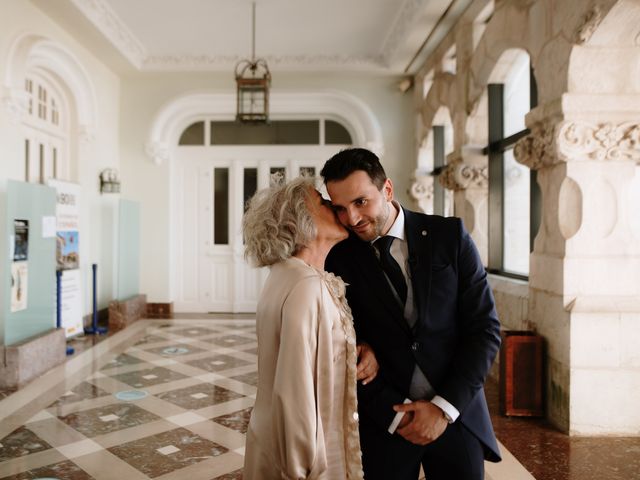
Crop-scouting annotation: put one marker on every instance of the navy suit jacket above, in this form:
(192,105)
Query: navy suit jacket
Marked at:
(455,338)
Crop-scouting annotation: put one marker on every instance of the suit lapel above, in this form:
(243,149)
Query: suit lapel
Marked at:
(377,283)
(419,247)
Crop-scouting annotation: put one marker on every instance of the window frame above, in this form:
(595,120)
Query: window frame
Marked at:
(498,144)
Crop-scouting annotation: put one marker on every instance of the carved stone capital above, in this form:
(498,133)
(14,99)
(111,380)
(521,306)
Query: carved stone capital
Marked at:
(422,188)
(461,176)
(549,144)
(15,102)
(604,141)
(158,152)
(589,25)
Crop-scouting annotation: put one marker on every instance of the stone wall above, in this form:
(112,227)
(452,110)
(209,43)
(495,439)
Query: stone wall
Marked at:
(584,271)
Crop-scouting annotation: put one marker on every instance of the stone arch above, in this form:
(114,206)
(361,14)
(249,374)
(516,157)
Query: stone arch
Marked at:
(547,31)
(178,113)
(441,94)
(31,51)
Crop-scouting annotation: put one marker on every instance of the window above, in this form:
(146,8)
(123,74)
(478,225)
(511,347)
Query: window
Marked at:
(45,130)
(277,132)
(514,196)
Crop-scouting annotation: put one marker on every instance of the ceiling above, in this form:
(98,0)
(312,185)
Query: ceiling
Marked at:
(385,36)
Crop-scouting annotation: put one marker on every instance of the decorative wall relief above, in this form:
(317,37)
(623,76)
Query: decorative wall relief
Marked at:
(578,140)
(607,141)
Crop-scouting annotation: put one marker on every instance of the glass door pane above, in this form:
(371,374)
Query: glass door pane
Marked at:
(221,206)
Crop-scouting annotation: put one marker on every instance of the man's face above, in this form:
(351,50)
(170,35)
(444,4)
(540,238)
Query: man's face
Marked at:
(360,206)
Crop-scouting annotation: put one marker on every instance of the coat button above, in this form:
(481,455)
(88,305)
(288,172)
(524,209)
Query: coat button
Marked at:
(415,346)
(355,416)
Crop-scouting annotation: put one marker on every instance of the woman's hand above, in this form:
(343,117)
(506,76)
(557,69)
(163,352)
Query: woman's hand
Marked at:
(367,364)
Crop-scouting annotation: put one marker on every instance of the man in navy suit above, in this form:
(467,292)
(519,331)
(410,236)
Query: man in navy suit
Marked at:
(420,298)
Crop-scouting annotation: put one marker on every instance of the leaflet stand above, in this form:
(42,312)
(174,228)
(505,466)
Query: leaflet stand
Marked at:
(95,329)
(70,349)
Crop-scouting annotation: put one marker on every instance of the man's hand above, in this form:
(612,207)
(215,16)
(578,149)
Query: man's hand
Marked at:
(367,364)
(427,424)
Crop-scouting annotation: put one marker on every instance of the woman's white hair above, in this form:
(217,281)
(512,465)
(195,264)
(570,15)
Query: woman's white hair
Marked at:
(277,223)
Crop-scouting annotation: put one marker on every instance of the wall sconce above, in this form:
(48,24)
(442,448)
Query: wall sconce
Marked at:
(109,181)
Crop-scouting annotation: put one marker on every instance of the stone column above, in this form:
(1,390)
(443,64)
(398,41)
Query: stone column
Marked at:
(584,281)
(467,175)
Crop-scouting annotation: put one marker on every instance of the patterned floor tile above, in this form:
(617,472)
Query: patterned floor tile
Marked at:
(167,452)
(63,470)
(150,339)
(82,391)
(230,340)
(149,377)
(21,442)
(250,378)
(121,361)
(107,419)
(195,332)
(199,396)
(178,349)
(218,363)
(237,475)
(238,421)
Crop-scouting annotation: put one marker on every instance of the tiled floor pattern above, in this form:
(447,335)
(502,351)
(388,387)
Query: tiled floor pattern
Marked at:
(199,377)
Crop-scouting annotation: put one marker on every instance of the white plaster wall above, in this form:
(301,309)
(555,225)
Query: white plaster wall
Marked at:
(19,17)
(143,95)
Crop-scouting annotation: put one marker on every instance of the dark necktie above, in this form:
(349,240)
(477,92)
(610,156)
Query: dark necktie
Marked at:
(391,267)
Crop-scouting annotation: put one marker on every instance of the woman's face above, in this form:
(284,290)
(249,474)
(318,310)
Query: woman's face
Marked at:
(324,218)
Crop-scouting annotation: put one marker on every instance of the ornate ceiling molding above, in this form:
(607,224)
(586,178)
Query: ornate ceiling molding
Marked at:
(100,13)
(223,62)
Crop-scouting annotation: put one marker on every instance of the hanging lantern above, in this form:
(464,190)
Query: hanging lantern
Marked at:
(253,80)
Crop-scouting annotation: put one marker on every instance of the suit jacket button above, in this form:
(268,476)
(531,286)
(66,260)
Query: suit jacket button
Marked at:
(415,346)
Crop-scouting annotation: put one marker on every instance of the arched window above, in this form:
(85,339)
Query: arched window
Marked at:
(46,130)
(277,132)
(514,198)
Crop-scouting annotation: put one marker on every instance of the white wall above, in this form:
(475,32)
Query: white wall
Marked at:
(96,246)
(143,95)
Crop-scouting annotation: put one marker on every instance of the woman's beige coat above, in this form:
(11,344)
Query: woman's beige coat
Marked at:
(293,414)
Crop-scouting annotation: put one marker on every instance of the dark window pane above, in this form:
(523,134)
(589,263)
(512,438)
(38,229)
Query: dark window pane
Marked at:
(193,135)
(250,184)
(277,176)
(336,134)
(304,132)
(309,172)
(221,206)
(26,160)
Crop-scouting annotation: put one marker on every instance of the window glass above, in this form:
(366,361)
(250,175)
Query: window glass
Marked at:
(277,176)
(516,239)
(193,134)
(336,134)
(221,206)
(281,132)
(250,184)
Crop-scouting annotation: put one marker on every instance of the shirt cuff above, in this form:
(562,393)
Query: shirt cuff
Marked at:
(396,420)
(450,412)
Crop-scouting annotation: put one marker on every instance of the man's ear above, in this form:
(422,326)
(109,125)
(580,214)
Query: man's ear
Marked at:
(387,190)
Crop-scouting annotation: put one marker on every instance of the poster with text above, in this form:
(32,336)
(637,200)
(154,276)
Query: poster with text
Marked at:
(20,240)
(19,284)
(71,302)
(68,255)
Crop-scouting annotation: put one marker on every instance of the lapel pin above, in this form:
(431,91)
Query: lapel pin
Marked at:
(424,233)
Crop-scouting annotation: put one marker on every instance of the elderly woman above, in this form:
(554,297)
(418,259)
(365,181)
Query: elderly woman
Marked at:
(304,422)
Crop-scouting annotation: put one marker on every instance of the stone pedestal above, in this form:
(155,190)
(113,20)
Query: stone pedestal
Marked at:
(123,313)
(584,292)
(31,358)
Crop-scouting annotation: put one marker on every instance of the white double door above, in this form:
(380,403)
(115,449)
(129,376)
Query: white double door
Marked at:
(211,186)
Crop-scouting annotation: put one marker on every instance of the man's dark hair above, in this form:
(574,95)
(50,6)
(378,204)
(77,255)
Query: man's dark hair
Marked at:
(345,162)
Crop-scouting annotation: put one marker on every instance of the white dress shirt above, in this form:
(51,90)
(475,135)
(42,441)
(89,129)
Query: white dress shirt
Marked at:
(420,388)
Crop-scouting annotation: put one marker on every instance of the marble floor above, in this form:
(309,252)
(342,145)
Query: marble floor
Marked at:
(171,399)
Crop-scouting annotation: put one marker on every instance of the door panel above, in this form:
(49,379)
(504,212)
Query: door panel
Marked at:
(212,186)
